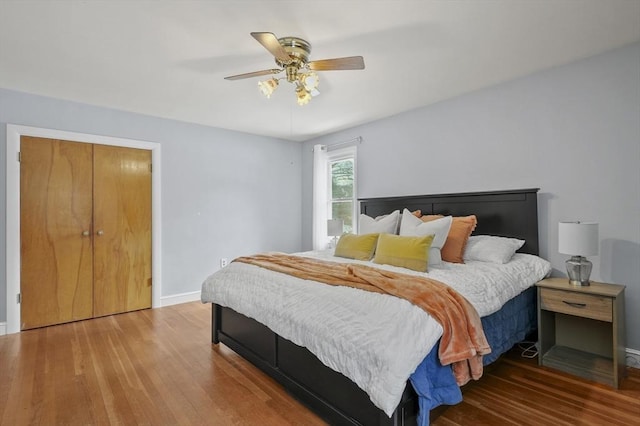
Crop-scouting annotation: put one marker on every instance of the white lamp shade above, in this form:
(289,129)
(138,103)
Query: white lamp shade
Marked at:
(335,227)
(578,238)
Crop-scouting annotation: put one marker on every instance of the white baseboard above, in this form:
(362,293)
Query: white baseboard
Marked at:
(633,358)
(180,298)
(3,328)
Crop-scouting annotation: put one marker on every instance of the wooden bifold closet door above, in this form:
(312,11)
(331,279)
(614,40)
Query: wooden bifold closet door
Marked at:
(85,230)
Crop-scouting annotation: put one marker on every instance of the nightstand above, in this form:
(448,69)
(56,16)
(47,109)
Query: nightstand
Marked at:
(581,329)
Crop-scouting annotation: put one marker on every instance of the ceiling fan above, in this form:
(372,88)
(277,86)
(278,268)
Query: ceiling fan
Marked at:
(292,56)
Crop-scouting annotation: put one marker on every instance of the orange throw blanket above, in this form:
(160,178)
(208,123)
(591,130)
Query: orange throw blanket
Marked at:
(463,341)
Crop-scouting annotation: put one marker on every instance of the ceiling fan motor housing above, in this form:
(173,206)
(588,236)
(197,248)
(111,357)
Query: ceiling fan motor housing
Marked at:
(298,50)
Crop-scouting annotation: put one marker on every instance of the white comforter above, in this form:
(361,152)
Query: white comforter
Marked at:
(359,333)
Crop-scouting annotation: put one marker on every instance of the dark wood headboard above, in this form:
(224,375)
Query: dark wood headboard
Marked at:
(510,213)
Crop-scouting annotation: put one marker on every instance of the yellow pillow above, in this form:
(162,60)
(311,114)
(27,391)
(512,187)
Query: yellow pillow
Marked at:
(359,247)
(406,252)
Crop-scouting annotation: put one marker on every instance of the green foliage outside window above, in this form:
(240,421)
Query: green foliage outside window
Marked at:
(342,192)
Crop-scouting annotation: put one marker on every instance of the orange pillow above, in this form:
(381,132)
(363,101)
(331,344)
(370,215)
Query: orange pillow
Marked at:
(461,229)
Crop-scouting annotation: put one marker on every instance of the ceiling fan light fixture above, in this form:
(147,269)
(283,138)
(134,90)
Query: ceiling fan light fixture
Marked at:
(309,80)
(303,95)
(267,87)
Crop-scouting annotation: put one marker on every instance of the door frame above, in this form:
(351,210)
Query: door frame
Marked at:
(14,132)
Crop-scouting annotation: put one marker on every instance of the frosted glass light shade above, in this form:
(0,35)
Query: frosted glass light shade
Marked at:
(335,227)
(267,87)
(303,95)
(578,238)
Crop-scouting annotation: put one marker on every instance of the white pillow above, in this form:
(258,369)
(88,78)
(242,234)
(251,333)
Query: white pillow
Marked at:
(387,224)
(489,248)
(414,227)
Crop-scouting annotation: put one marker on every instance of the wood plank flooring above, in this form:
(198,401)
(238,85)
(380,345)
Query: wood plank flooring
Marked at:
(516,391)
(158,367)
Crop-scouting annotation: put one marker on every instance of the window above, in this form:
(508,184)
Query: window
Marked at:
(341,191)
(334,191)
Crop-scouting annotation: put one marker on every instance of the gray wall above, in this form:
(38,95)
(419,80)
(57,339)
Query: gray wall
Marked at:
(572,131)
(224,193)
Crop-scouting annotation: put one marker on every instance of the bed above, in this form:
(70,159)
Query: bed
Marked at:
(336,398)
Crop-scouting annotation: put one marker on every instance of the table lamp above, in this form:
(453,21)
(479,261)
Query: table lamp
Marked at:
(578,239)
(334,229)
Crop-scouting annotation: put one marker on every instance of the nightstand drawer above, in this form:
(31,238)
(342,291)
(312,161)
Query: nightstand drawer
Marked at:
(572,303)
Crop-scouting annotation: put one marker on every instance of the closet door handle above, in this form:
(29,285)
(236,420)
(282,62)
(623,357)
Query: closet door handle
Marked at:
(85,233)
(100,232)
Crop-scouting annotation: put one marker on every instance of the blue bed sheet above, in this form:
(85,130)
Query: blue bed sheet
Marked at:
(435,383)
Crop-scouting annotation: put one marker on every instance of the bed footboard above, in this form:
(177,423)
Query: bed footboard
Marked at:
(215,323)
(329,394)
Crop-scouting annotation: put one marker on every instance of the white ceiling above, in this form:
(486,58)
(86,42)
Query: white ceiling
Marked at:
(168,58)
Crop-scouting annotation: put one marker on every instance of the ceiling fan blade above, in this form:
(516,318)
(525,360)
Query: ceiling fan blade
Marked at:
(253,74)
(348,63)
(271,43)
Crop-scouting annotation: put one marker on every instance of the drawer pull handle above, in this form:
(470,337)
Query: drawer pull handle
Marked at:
(575,304)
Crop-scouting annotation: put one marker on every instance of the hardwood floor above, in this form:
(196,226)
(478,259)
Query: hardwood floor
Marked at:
(157,367)
(153,367)
(516,391)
